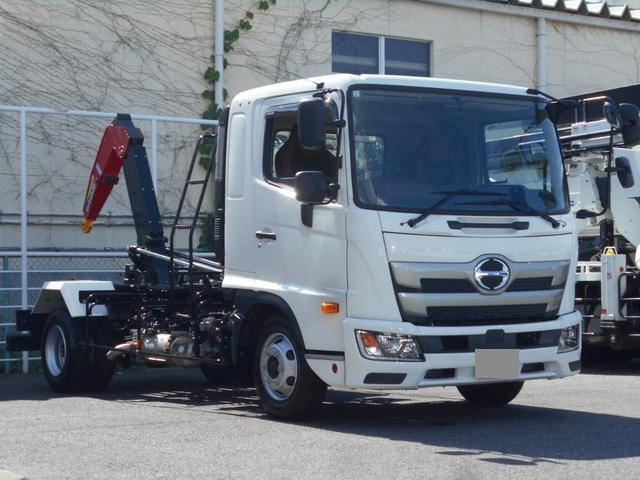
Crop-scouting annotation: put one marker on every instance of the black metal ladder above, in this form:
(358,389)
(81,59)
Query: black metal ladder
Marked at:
(191,227)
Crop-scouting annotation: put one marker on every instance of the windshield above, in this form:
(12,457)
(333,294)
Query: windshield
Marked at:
(412,147)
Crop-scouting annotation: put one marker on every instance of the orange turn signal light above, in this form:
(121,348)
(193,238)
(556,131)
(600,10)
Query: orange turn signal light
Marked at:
(330,307)
(369,340)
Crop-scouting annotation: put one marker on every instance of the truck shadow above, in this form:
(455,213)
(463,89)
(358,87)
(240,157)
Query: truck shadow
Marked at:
(518,434)
(515,435)
(611,366)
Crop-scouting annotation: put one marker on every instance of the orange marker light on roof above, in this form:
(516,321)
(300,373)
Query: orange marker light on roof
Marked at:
(330,307)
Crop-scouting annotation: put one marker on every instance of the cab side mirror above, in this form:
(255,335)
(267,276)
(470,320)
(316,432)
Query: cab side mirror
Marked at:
(312,129)
(630,123)
(625,174)
(582,214)
(311,187)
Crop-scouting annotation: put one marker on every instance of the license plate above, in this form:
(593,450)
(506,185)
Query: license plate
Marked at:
(499,363)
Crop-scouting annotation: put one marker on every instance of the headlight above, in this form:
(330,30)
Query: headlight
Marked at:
(388,346)
(569,339)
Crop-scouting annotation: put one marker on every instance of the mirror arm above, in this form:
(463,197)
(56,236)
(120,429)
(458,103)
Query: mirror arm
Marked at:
(582,214)
(306,214)
(306,209)
(616,169)
(332,190)
(341,123)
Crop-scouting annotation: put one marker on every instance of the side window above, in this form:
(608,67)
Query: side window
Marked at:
(279,139)
(284,156)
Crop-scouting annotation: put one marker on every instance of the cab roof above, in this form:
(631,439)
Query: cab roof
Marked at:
(344,81)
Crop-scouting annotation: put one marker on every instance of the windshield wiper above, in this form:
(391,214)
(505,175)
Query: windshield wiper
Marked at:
(447,195)
(521,207)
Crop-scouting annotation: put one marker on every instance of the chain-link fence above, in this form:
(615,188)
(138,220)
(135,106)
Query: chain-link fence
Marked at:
(44,267)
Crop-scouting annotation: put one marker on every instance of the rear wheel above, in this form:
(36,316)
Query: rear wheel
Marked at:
(287,387)
(491,394)
(68,366)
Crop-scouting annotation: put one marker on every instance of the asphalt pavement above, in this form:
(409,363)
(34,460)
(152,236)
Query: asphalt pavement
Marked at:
(172,425)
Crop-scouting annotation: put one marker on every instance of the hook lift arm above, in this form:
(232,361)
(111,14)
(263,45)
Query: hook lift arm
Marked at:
(122,148)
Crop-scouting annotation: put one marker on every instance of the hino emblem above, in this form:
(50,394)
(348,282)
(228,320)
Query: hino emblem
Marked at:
(492,274)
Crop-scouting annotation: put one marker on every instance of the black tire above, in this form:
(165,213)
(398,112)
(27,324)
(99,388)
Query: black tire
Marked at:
(491,394)
(218,375)
(75,368)
(308,390)
(100,368)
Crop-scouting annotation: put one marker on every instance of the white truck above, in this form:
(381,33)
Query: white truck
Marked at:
(370,232)
(602,155)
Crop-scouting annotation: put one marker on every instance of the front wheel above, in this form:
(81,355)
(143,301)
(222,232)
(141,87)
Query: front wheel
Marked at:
(287,387)
(491,394)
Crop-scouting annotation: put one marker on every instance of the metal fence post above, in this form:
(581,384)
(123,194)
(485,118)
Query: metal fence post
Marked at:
(23,223)
(4,283)
(154,152)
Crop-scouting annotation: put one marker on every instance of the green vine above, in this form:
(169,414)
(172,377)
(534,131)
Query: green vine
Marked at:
(213,110)
(211,75)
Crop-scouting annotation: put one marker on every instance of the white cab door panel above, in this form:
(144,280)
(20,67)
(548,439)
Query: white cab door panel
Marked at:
(303,265)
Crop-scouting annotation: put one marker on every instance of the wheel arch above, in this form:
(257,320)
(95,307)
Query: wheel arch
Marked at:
(64,295)
(252,309)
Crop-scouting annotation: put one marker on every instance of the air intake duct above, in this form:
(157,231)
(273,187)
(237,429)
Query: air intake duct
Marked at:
(218,186)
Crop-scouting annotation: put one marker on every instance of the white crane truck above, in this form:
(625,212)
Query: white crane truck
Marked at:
(372,232)
(602,156)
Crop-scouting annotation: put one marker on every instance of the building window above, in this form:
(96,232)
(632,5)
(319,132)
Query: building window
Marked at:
(354,53)
(357,53)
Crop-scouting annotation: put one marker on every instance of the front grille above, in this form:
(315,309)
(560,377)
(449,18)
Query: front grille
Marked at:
(446,285)
(447,294)
(499,311)
(530,284)
(468,343)
(486,315)
(462,285)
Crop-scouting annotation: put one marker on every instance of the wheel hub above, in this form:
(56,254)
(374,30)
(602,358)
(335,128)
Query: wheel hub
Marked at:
(273,367)
(55,350)
(278,366)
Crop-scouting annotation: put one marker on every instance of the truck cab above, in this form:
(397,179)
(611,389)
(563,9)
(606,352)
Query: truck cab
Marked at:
(449,232)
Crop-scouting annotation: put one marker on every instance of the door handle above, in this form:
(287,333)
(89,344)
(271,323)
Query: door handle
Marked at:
(265,235)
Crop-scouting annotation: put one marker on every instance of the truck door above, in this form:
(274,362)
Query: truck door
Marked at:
(303,265)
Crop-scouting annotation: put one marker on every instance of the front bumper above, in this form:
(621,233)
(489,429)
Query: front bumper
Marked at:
(456,368)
